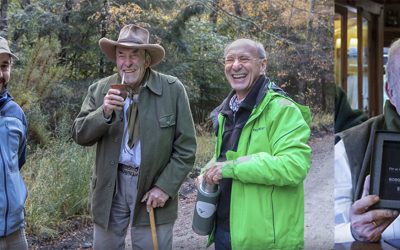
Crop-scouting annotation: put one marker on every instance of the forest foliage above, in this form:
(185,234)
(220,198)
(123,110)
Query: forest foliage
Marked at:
(57,44)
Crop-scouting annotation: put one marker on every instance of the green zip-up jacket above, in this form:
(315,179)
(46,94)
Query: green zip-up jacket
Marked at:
(268,170)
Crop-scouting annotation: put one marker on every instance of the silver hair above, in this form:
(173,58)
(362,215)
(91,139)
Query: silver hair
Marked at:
(393,65)
(262,54)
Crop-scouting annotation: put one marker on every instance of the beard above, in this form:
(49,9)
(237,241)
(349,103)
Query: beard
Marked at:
(3,84)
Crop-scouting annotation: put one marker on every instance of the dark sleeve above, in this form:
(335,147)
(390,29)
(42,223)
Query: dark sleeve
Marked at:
(345,116)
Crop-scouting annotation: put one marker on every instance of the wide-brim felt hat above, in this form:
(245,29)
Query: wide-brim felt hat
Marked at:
(132,36)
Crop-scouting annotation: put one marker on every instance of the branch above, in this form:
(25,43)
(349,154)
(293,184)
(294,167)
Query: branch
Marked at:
(253,23)
(304,10)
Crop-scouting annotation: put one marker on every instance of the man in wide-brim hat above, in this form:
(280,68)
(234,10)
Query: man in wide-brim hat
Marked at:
(145,143)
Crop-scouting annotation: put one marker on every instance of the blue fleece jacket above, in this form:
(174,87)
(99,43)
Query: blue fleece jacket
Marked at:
(13,131)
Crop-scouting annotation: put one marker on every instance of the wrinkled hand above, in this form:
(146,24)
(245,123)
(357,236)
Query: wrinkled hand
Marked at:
(198,180)
(112,101)
(368,225)
(156,197)
(213,173)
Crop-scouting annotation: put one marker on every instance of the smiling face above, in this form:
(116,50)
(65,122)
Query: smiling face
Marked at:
(5,68)
(132,63)
(243,66)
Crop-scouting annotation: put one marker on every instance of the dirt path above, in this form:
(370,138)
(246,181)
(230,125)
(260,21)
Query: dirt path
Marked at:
(318,210)
(319,203)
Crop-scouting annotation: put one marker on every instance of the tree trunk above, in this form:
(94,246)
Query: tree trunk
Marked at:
(214,14)
(310,20)
(103,31)
(24,3)
(308,41)
(4,19)
(290,18)
(238,8)
(64,35)
(301,86)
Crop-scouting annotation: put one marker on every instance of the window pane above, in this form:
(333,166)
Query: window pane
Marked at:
(365,69)
(337,55)
(352,59)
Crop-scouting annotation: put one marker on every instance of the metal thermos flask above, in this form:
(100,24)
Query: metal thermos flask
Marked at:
(205,209)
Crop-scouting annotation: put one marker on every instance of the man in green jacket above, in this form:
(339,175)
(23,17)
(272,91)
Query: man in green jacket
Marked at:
(261,158)
(145,143)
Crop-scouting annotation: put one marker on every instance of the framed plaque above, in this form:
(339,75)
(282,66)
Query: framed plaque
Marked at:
(385,170)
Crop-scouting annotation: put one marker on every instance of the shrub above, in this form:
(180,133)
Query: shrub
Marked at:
(322,121)
(58,180)
(205,151)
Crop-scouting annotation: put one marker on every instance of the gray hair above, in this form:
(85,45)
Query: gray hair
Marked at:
(393,65)
(262,54)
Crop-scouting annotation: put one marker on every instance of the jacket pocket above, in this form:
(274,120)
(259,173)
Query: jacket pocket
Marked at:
(17,194)
(167,121)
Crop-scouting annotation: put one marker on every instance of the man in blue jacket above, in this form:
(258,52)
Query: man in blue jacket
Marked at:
(13,131)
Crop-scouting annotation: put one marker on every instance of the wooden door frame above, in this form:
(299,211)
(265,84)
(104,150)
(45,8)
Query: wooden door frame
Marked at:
(373,12)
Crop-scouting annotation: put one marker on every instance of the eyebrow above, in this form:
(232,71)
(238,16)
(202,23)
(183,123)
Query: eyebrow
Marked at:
(134,50)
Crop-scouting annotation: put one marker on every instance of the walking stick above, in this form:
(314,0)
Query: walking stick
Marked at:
(153,229)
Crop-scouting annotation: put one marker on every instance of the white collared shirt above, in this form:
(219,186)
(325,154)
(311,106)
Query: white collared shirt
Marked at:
(129,156)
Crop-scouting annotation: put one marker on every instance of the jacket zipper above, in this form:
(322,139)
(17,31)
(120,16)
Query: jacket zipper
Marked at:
(273,213)
(6,192)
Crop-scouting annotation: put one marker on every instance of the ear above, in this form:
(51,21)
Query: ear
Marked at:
(389,91)
(263,66)
(147,60)
(147,63)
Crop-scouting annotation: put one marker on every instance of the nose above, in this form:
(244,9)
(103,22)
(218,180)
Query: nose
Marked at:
(128,64)
(236,64)
(127,61)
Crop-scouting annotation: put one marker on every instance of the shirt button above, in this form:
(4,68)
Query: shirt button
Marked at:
(112,162)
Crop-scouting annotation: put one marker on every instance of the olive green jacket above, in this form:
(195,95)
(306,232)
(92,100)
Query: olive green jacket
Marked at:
(168,144)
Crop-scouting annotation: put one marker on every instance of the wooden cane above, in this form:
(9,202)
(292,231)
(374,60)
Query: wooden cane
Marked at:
(153,229)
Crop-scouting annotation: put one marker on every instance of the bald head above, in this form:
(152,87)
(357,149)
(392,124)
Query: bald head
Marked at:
(258,47)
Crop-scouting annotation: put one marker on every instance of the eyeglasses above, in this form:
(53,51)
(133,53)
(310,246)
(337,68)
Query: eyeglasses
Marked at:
(241,59)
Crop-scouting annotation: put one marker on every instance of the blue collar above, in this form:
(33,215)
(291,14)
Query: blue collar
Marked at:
(4,97)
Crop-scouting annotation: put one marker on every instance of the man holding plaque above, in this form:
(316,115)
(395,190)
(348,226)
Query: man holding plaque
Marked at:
(145,143)
(355,217)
